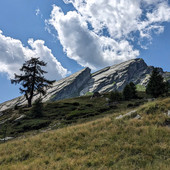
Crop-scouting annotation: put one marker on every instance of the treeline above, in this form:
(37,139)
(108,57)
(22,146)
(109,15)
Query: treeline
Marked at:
(156,87)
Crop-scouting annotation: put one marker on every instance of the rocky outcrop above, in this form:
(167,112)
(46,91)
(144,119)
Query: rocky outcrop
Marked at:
(68,87)
(117,76)
(110,78)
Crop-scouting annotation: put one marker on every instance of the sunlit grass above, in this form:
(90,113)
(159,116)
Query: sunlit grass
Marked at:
(105,143)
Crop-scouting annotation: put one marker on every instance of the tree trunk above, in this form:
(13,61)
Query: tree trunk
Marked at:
(29,102)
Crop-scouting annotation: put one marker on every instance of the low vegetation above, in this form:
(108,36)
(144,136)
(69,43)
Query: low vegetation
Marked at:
(59,114)
(105,143)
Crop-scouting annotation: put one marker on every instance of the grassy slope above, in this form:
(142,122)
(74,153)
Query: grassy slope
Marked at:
(105,143)
(61,113)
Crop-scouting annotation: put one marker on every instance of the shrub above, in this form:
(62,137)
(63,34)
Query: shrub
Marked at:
(76,104)
(37,109)
(115,96)
(130,105)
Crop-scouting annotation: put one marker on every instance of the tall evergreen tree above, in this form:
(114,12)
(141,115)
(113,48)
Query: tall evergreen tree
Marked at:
(32,79)
(156,85)
(127,92)
(115,96)
(133,90)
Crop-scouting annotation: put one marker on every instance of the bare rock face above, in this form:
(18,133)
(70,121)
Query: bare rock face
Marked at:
(108,79)
(117,76)
(68,87)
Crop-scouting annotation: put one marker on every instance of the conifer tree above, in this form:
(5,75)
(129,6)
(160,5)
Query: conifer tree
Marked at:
(115,96)
(156,85)
(127,92)
(133,90)
(32,80)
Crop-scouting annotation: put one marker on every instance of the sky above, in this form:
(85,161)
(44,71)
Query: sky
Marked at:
(72,34)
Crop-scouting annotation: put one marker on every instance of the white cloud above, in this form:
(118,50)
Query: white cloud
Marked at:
(100,32)
(13,54)
(86,47)
(37,12)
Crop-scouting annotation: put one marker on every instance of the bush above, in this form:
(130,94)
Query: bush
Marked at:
(30,124)
(130,105)
(37,109)
(76,104)
(115,96)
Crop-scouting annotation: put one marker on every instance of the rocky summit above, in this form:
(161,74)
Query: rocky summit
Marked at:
(110,78)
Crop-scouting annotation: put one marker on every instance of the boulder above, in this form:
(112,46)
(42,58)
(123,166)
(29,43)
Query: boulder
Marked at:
(20,118)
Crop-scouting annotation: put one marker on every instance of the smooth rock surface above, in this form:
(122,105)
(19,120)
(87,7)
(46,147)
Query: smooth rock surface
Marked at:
(6,139)
(125,115)
(20,118)
(137,117)
(117,76)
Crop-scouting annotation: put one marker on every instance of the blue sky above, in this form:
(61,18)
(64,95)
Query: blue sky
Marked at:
(70,35)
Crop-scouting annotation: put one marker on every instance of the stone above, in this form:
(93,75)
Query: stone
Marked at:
(4,121)
(20,118)
(168,114)
(119,117)
(137,117)
(125,115)
(107,99)
(6,139)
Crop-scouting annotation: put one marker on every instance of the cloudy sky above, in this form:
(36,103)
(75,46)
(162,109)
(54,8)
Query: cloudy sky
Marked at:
(72,34)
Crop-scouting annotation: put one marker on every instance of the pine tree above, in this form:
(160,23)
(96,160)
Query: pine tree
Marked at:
(127,92)
(115,96)
(32,79)
(156,85)
(133,90)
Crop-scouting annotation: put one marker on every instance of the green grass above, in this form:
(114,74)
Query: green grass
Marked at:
(140,88)
(104,143)
(89,94)
(62,113)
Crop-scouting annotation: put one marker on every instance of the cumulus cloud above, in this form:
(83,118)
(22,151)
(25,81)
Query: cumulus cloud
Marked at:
(13,54)
(101,32)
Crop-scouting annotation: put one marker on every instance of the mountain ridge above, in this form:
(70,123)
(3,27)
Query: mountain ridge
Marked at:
(104,80)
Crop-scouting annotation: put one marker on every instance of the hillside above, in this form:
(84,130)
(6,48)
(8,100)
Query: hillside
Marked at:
(139,140)
(20,121)
(105,80)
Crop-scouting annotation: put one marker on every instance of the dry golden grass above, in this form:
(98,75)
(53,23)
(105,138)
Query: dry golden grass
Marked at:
(102,144)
